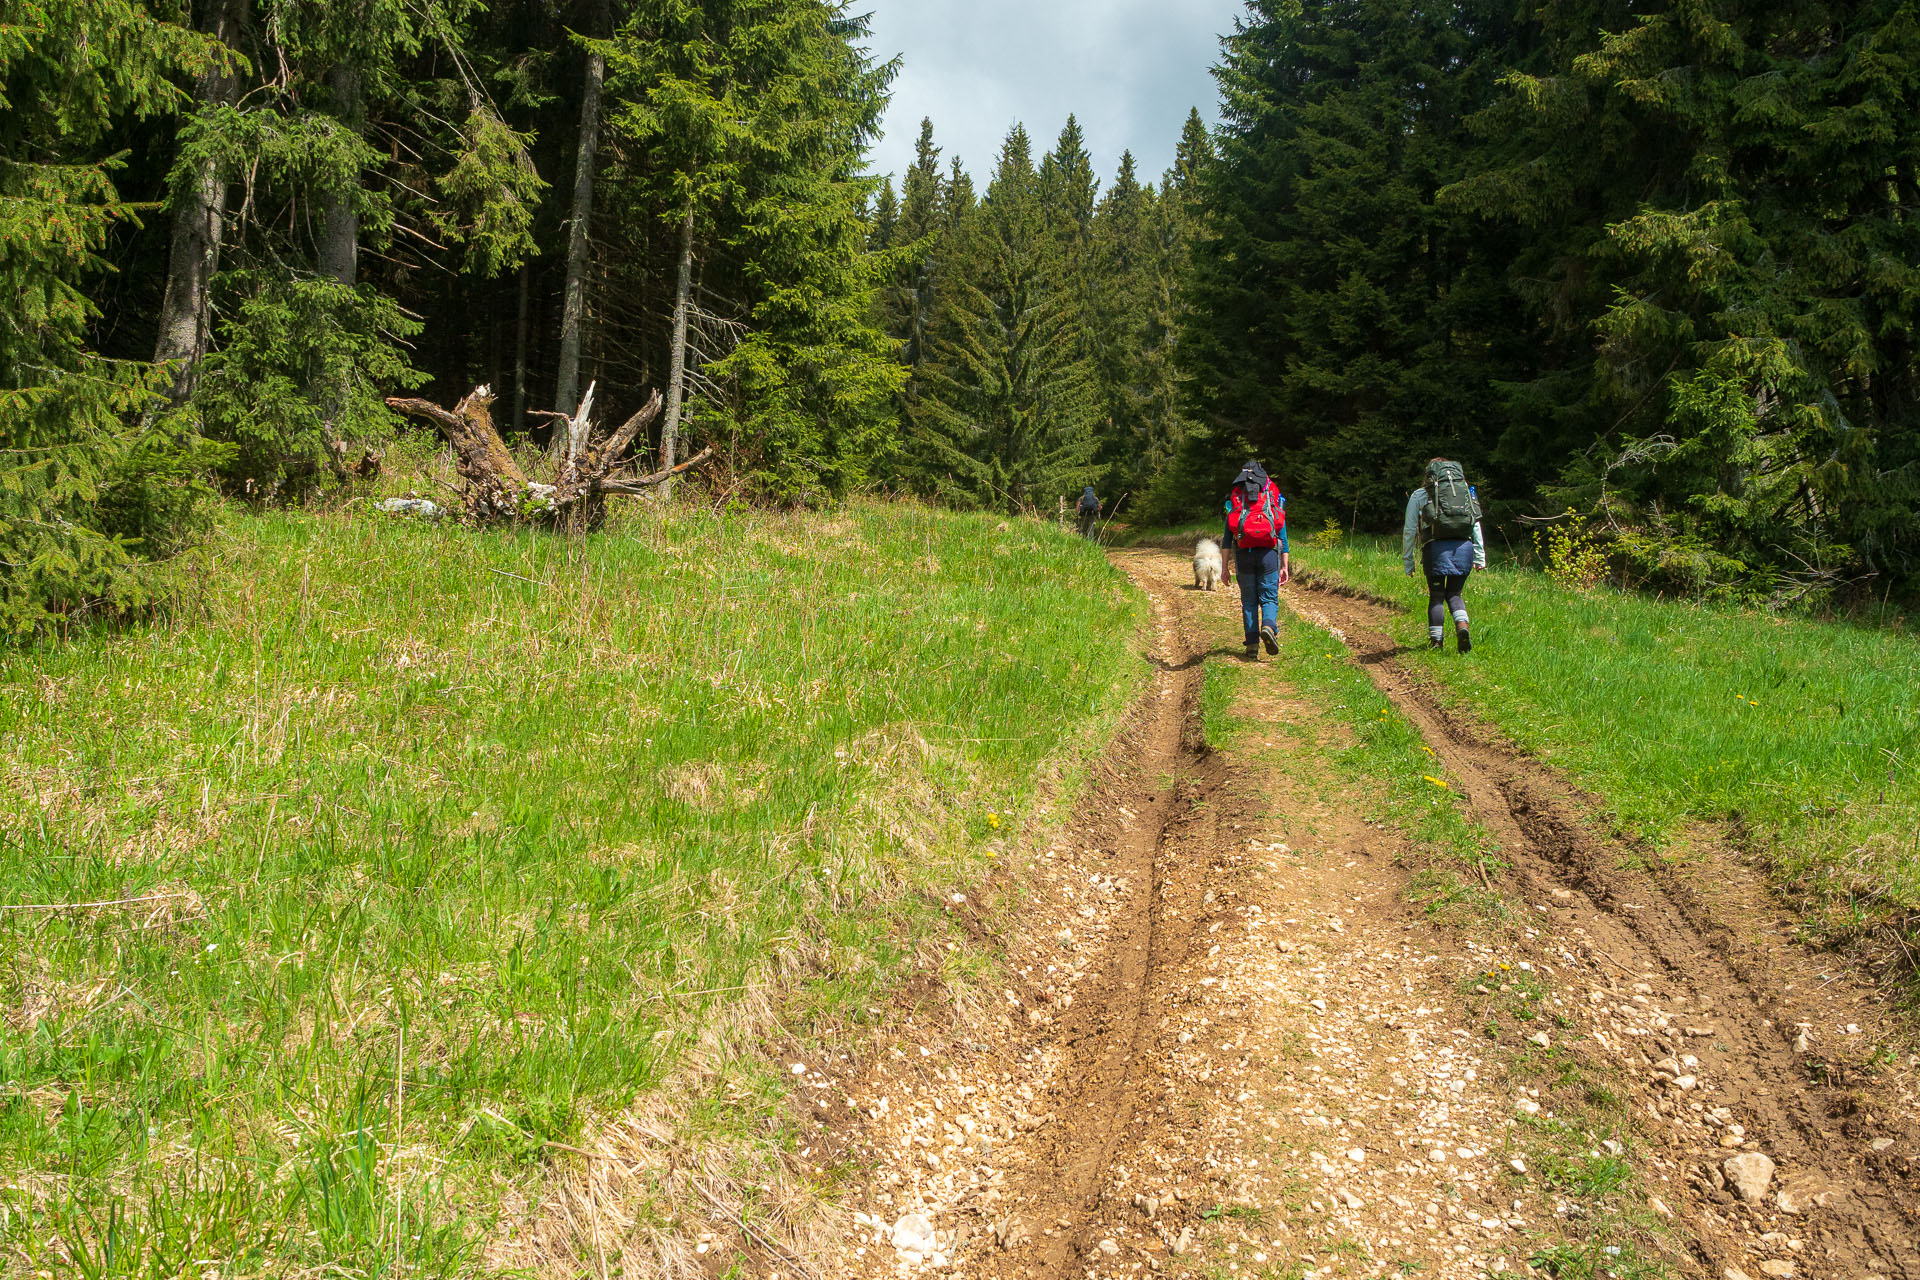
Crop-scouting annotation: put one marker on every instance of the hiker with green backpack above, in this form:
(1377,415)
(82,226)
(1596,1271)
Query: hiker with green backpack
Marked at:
(1443,521)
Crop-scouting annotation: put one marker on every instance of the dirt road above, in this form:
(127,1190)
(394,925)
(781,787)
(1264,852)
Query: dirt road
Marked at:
(1225,1041)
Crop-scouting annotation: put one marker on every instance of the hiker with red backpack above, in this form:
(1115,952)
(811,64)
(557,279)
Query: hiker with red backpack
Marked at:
(1443,521)
(1256,517)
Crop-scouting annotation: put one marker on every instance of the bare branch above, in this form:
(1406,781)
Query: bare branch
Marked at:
(644,483)
(608,452)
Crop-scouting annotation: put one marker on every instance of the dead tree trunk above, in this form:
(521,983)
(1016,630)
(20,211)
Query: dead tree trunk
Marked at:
(586,470)
(574,309)
(677,371)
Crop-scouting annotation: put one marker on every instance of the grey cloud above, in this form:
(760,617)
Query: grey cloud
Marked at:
(1128,69)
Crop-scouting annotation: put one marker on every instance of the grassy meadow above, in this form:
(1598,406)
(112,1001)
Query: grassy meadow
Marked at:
(424,849)
(1802,734)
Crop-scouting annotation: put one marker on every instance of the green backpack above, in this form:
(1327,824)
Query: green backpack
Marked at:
(1452,510)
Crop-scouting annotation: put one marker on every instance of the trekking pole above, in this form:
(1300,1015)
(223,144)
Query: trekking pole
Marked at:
(1101,537)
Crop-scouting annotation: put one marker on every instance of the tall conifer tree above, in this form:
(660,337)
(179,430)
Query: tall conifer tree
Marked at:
(1339,325)
(1737,271)
(92,477)
(743,125)
(1010,402)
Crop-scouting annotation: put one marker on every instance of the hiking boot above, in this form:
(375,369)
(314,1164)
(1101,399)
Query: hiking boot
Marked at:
(1269,639)
(1253,651)
(1466,641)
(1435,643)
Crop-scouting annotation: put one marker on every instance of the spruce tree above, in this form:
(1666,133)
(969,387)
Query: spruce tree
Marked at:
(1010,402)
(911,293)
(1747,262)
(310,336)
(1179,471)
(93,476)
(914,284)
(740,130)
(883,222)
(1121,284)
(1704,205)
(1339,324)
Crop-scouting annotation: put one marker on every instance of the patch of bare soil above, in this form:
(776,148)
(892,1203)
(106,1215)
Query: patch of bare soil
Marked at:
(1223,1042)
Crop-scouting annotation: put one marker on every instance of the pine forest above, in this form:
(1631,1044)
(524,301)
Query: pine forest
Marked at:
(1652,268)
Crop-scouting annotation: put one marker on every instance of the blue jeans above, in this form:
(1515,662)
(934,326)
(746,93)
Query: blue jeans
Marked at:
(1259,573)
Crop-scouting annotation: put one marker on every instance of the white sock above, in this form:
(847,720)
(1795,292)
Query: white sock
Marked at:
(1437,634)
(1460,619)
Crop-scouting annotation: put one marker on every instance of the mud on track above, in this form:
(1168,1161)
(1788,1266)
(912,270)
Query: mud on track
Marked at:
(1704,935)
(1221,1040)
(1166,847)
(1091,933)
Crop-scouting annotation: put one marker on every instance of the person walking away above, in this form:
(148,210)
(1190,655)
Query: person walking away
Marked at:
(1256,516)
(1088,511)
(1443,522)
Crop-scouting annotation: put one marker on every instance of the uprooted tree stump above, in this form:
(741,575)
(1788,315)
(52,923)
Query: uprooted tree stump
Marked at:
(498,492)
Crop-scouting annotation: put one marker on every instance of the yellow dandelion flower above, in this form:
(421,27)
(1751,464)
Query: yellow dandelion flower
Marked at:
(1435,781)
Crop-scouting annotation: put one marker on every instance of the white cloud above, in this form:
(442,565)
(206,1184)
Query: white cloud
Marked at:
(1128,69)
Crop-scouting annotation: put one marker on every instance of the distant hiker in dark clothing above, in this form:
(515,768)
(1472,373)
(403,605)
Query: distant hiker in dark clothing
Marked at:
(1256,518)
(1088,511)
(1443,522)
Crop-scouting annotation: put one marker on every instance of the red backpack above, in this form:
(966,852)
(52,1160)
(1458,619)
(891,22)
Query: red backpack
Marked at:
(1256,525)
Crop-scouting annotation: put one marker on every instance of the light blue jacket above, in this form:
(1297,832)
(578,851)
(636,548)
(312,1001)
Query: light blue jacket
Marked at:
(1410,536)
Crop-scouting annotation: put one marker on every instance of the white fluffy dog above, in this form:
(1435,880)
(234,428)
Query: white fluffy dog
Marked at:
(1206,565)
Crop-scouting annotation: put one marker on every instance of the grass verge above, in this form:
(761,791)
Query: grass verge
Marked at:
(1802,734)
(1408,790)
(424,850)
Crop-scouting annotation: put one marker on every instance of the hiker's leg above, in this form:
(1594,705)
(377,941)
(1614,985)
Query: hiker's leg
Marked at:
(1436,607)
(1249,575)
(1270,598)
(1456,585)
(1456,601)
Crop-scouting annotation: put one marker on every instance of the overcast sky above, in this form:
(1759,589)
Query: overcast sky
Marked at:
(1129,69)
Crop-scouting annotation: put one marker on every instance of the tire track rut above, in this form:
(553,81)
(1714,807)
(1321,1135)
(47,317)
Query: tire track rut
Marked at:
(1202,1040)
(1107,1036)
(1639,916)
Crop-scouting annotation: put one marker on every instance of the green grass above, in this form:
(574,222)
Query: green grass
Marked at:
(1406,787)
(454,844)
(1805,733)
